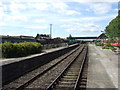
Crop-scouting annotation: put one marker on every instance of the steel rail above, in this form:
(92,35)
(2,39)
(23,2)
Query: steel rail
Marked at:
(37,76)
(76,87)
(52,85)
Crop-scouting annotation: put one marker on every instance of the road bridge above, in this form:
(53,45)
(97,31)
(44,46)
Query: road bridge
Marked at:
(83,37)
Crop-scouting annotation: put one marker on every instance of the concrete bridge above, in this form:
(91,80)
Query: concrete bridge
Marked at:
(84,37)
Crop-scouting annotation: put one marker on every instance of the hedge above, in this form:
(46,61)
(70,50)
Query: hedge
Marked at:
(108,46)
(10,50)
(98,44)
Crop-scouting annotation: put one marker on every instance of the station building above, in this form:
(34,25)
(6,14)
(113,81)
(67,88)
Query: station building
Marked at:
(17,39)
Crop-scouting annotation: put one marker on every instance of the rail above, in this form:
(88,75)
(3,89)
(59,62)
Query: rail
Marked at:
(37,76)
(80,72)
(53,84)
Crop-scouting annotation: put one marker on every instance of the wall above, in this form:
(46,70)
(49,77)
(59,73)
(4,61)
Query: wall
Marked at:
(14,70)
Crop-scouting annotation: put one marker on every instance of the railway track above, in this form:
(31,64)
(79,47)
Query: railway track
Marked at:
(71,77)
(43,79)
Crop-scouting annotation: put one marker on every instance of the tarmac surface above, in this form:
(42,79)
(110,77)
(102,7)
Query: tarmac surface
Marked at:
(102,68)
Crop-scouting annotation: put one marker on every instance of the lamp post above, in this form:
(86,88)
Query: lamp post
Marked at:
(50,30)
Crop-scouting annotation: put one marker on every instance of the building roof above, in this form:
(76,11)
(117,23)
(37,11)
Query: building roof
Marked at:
(17,37)
(101,36)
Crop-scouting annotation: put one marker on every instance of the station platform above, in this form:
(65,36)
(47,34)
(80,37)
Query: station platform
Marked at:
(102,68)
(12,60)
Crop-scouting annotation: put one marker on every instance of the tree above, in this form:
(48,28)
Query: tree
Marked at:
(59,38)
(113,29)
(37,36)
(70,37)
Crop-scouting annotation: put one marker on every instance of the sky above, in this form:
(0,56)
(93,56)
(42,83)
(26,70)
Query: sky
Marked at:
(75,17)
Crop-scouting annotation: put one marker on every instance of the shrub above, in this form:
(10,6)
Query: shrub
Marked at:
(7,49)
(20,49)
(108,46)
(99,44)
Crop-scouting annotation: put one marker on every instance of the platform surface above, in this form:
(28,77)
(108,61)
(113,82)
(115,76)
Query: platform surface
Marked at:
(12,60)
(102,68)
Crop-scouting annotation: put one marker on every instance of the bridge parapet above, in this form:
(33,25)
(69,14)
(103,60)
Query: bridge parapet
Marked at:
(84,37)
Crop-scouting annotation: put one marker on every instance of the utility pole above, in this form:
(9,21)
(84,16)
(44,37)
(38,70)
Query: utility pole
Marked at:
(50,30)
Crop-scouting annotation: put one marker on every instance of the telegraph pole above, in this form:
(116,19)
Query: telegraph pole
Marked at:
(50,30)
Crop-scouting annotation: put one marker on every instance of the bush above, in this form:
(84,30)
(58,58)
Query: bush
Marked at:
(99,44)
(20,49)
(108,46)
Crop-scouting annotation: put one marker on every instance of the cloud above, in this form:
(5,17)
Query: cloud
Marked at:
(79,27)
(72,12)
(19,11)
(100,8)
(15,19)
(2,9)
(39,20)
(19,18)
(89,19)
(36,27)
(2,24)
(12,11)
(60,5)
(32,14)
(116,9)
(16,8)
(53,7)
(63,9)
(40,6)
(84,1)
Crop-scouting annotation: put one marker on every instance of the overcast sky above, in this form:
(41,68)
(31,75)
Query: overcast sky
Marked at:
(78,18)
